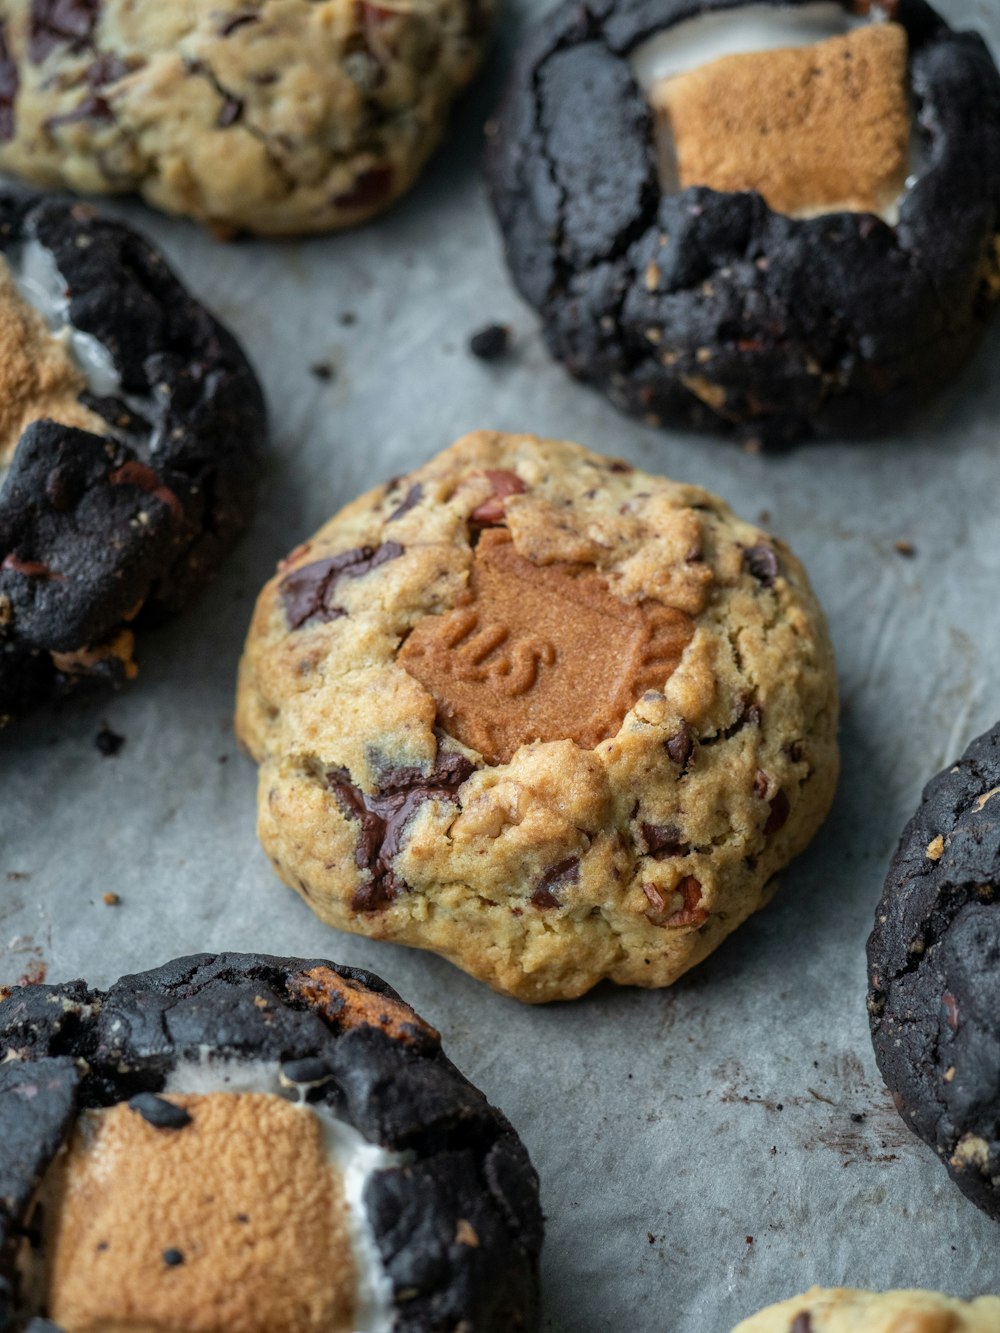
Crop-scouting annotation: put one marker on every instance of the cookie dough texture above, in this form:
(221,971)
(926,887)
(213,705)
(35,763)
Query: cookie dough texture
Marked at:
(934,972)
(130,432)
(844,1311)
(132,1205)
(270,116)
(707,308)
(553,718)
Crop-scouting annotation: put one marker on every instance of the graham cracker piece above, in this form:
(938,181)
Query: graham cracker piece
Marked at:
(540,652)
(238,1220)
(813,129)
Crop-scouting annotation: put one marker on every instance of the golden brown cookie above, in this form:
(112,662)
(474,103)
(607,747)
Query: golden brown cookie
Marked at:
(270,116)
(844,1311)
(553,718)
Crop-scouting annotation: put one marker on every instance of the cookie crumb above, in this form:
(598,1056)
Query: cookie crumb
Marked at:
(110,899)
(905,548)
(491,343)
(109,742)
(323,370)
(935,848)
(348,317)
(18,875)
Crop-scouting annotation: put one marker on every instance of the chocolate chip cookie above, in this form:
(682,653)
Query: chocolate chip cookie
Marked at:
(551,717)
(842,1311)
(238,1141)
(934,972)
(754,220)
(270,116)
(130,429)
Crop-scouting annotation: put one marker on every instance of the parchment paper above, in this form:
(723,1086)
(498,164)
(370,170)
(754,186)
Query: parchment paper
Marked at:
(703,1150)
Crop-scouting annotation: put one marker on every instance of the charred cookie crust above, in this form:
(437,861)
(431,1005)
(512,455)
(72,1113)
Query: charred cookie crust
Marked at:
(69,1048)
(708,309)
(103,533)
(270,116)
(934,972)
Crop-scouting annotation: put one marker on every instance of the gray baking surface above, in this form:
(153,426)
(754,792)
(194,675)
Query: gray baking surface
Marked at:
(703,1150)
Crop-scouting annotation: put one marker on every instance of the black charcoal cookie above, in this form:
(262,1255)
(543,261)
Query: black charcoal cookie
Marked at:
(750,242)
(934,972)
(130,430)
(272,1144)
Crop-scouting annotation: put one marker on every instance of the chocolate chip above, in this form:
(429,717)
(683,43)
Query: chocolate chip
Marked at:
(307,592)
(801,1324)
(54,22)
(384,815)
(370,188)
(681,747)
(106,69)
(308,1070)
(663,840)
(91,108)
(566,872)
(780,809)
(762,563)
(413,497)
(491,343)
(9,83)
(158,1112)
(236,21)
(230,112)
(173,1258)
(109,742)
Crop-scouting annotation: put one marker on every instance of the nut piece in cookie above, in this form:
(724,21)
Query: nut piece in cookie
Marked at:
(776,222)
(934,972)
(276,118)
(320,1169)
(130,428)
(551,717)
(840,1310)
(815,129)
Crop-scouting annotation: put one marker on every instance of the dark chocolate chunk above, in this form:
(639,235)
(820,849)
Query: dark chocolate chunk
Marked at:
(158,1112)
(680,748)
(230,113)
(55,22)
(778,816)
(664,840)
(308,591)
(762,563)
(413,497)
(370,188)
(491,343)
(801,1323)
(545,894)
(934,972)
(173,1258)
(384,815)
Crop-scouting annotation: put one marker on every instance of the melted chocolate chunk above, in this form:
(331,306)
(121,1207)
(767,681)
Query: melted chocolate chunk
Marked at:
(370,188)
(307,592)
(780,809)
(663,840)
(762,563)
(566,872)
(158,1112)
(91,108)
(680,748)
(173,1258)
(801,1324)
(9,83)
(306,1071)
(106,69)
(384,816)
(232,111)
(56,21)
(413,497)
